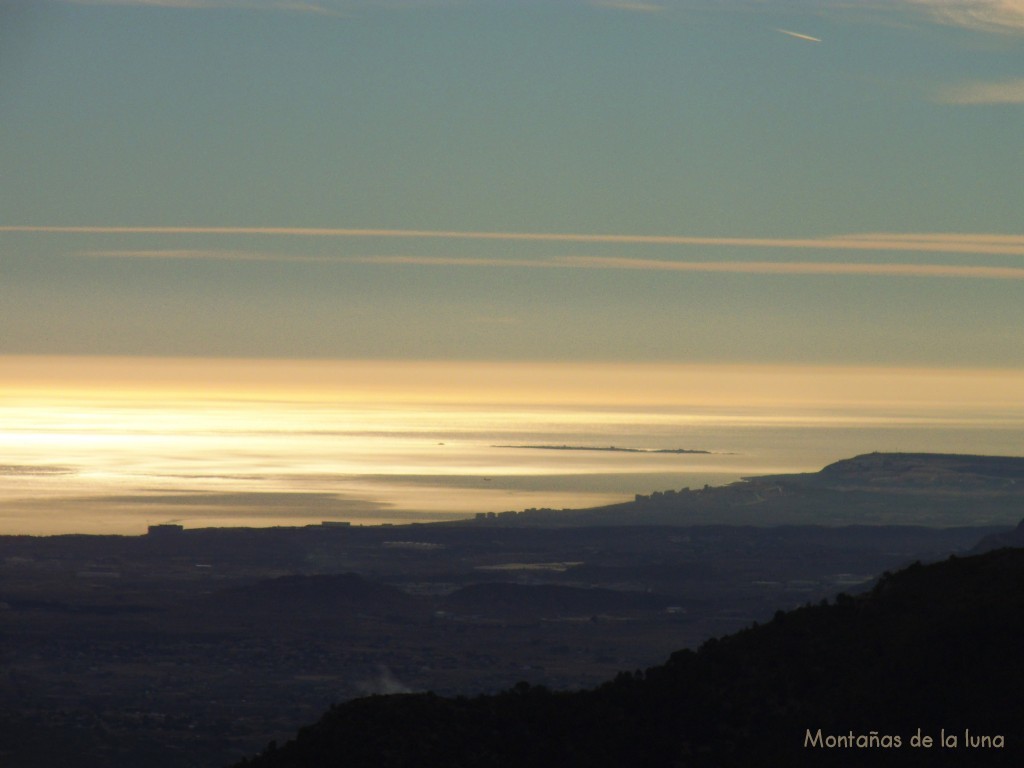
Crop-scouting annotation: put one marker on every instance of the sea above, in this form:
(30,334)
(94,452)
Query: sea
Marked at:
(103,461)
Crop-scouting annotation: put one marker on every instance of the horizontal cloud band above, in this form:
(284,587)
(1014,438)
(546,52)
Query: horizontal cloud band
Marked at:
(734,267)
(600,262)
(993,244)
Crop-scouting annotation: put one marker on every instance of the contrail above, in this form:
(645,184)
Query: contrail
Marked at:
(799,36)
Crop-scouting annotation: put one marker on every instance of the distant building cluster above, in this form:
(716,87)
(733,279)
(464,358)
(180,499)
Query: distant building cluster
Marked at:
(662,496)
(512,514)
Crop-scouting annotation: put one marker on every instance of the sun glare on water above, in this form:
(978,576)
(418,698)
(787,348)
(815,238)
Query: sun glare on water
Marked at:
(114,444)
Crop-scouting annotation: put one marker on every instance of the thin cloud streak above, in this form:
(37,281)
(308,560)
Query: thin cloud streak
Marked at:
(799,36)
(939,237)
(987,15)
(258,256)
(983,93)
(202,255)
(626,6)
(454,261)
(1006,16)
(730,267)
(596,262)
(296,6)
(962,243)
(803,268)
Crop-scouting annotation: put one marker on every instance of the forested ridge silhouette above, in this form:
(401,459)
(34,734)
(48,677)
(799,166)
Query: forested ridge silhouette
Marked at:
(932,647)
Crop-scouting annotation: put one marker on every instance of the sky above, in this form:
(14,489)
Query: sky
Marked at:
(286,260)
(771,183)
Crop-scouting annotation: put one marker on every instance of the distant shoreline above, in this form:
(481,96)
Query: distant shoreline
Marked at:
(610,448)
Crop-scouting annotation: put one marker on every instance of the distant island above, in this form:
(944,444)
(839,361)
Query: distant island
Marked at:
(610,448)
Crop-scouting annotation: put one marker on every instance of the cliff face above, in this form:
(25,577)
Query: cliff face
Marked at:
(930,652)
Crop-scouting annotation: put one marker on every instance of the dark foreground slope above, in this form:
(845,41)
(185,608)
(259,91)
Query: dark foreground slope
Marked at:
(932,649)
(193,649)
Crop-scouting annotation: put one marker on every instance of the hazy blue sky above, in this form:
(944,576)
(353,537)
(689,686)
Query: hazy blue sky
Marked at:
(789,152)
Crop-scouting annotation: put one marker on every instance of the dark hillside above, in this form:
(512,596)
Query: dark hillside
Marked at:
(935,648)
(1012,538)
(932,471)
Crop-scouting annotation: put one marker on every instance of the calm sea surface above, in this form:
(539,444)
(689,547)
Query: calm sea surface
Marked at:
(114,467)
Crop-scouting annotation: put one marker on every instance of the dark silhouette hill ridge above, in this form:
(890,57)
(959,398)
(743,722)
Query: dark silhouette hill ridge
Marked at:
(1011,538)
(932,648)
(932,471)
